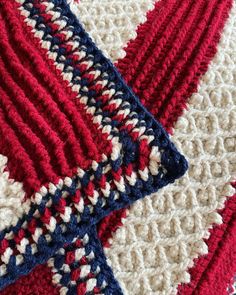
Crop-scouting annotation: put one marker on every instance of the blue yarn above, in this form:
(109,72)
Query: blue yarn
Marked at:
(105,274)
(174,163)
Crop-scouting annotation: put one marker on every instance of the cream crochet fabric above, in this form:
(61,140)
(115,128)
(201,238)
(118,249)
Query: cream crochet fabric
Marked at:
(11,197)
(162,235)
(113,23)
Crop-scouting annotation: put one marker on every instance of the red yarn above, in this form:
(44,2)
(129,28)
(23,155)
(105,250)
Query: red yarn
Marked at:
(38,282)
(50,138)
(163,66)
(164,63)
(177,43)
(109,225)
(212,272)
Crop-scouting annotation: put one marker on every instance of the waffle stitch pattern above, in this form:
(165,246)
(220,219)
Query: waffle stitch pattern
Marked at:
(185,202)
(113,23)
(162,235)
(142,158)
(156,53)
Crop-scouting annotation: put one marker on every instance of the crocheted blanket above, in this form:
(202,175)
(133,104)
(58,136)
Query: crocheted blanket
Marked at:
(77,145)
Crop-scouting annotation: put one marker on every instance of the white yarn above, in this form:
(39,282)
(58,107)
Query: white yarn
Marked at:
(163,233)
(131,14)
(111,24)
(232,290)
(11,197)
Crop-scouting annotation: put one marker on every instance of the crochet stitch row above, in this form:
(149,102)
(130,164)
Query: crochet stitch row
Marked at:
(168,53)
(80,268)
(139,159)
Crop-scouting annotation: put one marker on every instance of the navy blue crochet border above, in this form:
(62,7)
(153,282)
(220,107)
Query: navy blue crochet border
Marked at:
(105,275)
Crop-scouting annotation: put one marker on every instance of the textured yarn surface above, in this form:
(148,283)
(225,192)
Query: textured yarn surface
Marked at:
(164,70)
(39,282)
(113,23)
(75,135)
(213,241)
(163,234)
(11,197)
(77,268)
(80,268)
(232,287)
(160,239)
(220,260)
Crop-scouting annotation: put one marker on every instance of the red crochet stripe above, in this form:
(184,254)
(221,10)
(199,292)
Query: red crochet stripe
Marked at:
(164,64)
(42,124)
(212,272)
(171,52)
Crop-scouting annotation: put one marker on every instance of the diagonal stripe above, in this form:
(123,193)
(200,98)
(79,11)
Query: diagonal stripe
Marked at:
(163,235)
